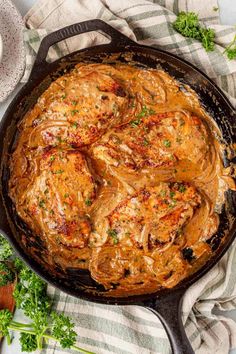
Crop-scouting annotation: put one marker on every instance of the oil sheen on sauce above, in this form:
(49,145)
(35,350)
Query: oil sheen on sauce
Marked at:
(118,170)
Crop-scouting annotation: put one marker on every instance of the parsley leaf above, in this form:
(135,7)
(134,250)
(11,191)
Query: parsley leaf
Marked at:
(144,112)
(88,202)
(62,329)
(145,142)
(207,38)
(74,125)
(6,274)
(5,249)
(42,204)
(5,320)
(134,123)
(230,50)
(57,172)
(113,234)
(74,111)
(28,342)
(167,143)
(182,188)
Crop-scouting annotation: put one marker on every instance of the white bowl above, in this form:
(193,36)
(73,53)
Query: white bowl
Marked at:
(1,47)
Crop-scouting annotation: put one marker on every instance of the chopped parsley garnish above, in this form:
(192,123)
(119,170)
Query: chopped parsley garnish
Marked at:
(74,103)
(113,234)
(132,105)
(60,140)
(66,195)
(88,202)
(63,96)
(74,111)
(151,111)
(74,125)
(182,188)
(57,172)
(167,143)
(144,112)
(134,123)
(52,158)
(145,142)
(162,193)
(42,204)
(46,191)
(172,194)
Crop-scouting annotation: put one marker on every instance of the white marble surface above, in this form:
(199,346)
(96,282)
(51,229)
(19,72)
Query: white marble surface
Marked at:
(228,16)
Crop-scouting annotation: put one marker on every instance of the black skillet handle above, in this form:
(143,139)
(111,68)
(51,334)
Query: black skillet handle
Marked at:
(116,37)
(168,309)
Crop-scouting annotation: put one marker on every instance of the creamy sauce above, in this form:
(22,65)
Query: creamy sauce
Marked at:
(118,170)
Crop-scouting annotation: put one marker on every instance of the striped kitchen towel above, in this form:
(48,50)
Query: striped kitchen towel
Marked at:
(131,329)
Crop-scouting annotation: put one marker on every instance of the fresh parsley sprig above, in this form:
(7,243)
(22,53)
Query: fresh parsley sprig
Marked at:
(230,50)
(31,296)
(6,274)
(5,249)
(187,23)
(60,329)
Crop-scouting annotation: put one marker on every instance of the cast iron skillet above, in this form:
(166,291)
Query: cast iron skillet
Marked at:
(166,304)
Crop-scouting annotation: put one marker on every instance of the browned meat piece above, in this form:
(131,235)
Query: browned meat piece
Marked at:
(153,217)
(154,140)
(60,193)
(77,109)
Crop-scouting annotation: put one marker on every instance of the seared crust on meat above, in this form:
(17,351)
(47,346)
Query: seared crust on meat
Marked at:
(154,140)
(153,217)
(76,110)
(57,197)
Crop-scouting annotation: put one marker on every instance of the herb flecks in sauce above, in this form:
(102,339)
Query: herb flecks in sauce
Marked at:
(114,235)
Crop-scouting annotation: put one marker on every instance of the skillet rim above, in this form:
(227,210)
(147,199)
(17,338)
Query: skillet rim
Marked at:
(133,299)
